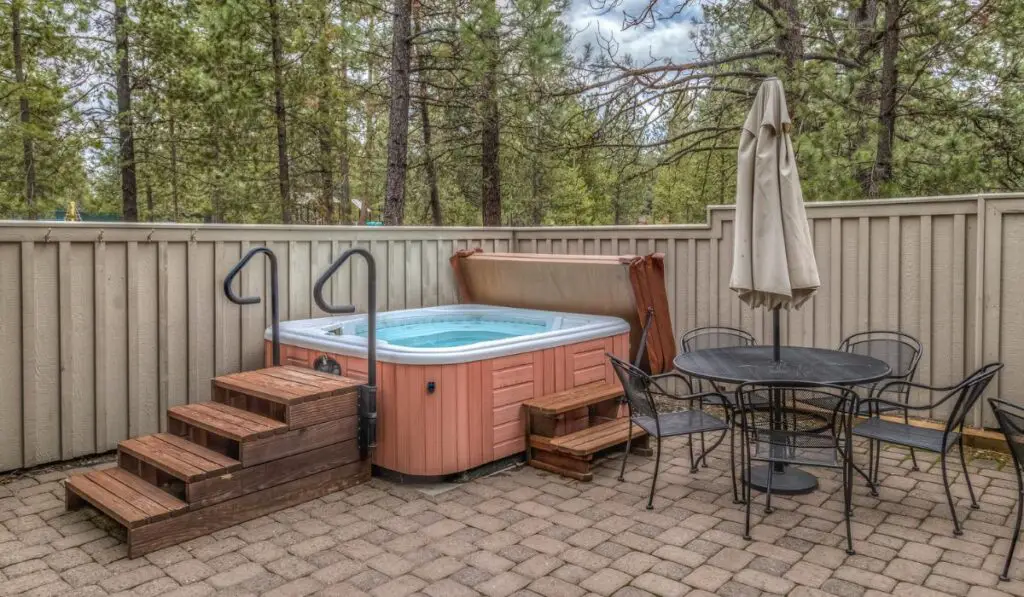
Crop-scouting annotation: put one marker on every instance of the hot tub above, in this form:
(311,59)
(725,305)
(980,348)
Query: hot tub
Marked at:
(451,380)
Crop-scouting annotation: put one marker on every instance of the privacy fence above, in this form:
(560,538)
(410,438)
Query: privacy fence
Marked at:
(105,325)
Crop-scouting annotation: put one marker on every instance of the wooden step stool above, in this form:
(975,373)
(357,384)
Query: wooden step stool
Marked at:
(552,444)
(271,439)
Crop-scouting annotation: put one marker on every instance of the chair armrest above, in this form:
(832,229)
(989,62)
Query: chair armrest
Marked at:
(714,398)
(883,387)
(674,375)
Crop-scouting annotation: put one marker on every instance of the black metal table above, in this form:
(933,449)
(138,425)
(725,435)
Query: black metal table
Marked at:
(740,364)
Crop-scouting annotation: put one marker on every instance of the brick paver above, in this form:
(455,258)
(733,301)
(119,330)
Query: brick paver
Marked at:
(526,533)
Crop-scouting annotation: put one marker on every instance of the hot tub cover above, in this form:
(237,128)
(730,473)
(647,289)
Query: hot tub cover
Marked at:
(620,285)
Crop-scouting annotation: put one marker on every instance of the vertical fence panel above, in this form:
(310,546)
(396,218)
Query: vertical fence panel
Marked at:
(102,327)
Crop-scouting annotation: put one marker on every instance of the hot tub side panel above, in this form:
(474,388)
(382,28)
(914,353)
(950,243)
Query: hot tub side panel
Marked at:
(474,414)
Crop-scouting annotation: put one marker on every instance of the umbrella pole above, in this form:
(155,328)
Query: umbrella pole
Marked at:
(776,348)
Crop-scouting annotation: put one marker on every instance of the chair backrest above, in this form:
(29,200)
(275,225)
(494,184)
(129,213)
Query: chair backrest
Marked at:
(970,390)
(635,385)
(794,407)
(1011,423)
(902,352)
(714,337)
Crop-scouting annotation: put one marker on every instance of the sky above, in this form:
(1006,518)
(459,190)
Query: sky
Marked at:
(669,39)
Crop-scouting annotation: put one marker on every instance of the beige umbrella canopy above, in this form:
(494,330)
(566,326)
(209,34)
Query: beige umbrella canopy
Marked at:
(773,259)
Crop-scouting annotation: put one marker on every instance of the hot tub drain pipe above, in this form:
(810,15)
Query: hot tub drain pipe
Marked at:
(368,392)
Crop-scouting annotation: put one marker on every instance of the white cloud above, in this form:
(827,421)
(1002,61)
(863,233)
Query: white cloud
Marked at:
(670,39)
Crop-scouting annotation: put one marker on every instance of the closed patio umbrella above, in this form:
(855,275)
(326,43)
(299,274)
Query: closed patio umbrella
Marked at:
(773,259)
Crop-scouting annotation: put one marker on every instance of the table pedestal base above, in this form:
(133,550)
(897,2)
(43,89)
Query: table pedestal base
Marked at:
(790,481)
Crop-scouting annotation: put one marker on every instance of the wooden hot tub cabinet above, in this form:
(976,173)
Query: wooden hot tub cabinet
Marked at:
(439,420)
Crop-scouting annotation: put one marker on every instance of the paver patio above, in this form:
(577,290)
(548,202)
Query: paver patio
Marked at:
(526,532)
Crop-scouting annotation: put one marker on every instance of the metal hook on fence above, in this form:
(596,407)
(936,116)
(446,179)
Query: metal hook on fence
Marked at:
(149,237)
(192,236)
(46,238)
(99,238)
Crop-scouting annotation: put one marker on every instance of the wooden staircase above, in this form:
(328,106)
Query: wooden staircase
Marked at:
(552,445)
(270,439)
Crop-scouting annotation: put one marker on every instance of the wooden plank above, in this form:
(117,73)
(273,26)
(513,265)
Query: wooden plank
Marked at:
(511,376)
(67,355)
(204,521)
(216,458)
(563,402)
(210,420)
(164,499)
(103,500)
(433,405)
(593,439)
(150,508)
(206,466)
(285,444)
(164,460)
(206,492)
(323,410)
(449,417)
(512,395)
(585,376)
(100,359)
(242,418)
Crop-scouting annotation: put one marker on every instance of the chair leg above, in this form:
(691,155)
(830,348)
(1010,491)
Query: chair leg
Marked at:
(703,451)
(913,455)
(848,502)
(967,476)
(768,490)
(878,461)
(745,458)
(871,468)
(693,461)
(732,464)
(1016,535)
(949,495)
(625,455)
(654,481)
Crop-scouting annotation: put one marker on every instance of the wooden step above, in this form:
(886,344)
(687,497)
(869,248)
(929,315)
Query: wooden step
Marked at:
(122,496)
(286,385)
(175,456)
(293,395)
(224,421)
(570,400)
(588,441)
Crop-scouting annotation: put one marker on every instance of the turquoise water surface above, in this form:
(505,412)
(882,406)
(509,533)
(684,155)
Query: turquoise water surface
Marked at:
(444,333)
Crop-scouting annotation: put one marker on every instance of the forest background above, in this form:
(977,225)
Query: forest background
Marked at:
(493,112)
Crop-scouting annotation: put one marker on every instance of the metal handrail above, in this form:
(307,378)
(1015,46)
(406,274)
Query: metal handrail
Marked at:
(368,397)
(254,300)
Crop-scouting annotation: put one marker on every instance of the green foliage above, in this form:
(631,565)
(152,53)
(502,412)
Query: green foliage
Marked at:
(630,148)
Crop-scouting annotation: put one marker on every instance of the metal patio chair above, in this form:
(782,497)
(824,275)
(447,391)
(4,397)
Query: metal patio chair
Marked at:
(963,396)
(711,337)
(799,425)
(663,414)
(1011,423)
(902,352)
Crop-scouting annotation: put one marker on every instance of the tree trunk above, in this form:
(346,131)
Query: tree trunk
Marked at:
(491,125)
(428,158)
(343,159)
(125,127)
(398,114)
(863,20)
(324,136)
(28,153)
(882,171)
(174,170)
(789,41)
(280,113)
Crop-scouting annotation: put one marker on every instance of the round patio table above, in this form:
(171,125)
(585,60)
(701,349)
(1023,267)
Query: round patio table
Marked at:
(741,364)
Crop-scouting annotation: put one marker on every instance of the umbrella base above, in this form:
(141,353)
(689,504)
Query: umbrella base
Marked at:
(789,481)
